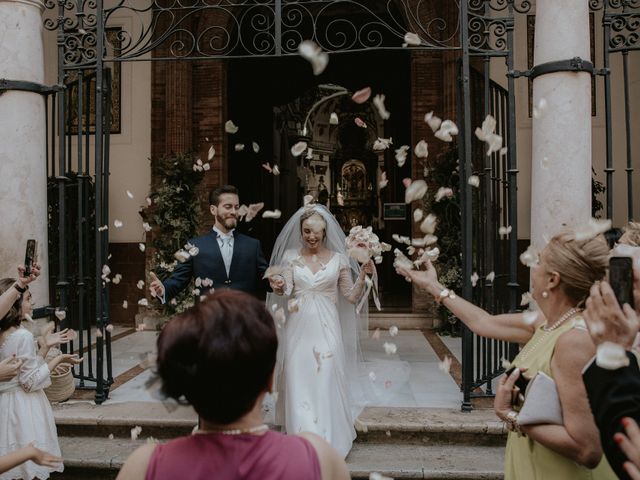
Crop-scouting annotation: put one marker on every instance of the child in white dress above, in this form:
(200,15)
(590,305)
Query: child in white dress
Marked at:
(25,413)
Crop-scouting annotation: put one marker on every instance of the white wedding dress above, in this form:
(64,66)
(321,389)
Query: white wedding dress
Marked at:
(314,395)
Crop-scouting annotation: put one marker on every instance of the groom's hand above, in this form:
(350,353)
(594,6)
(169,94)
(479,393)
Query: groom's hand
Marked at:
(156,288)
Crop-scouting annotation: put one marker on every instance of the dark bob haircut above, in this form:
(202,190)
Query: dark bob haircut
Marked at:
(219,355)
(214,196)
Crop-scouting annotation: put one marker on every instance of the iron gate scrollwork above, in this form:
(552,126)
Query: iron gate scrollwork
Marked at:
(217,29)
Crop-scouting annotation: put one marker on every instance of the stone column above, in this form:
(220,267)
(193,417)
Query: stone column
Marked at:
(23,183)
(561,137)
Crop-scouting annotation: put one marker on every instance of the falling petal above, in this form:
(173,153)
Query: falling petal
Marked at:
(182,256)
(447,129)
(383,180)
(206,167)
(111,436)
(143,302)
(362,96)
(539,108)
(428,225)
(129,194)
(271,214)
(411,249)
(382,143)
(401,154)
(372,376)
(611,356)
(443,192)
(393,331)
(255,146)
(253,210)
(474,279)
(239,147)
(230,127)
(495,143)
(491,277)
(267,167)
(298,149)
(116,279)
(487,129)
(193,251)
(109,328)
(376,334)
(142,247)
(406,182)
(292,305)
(474,181)
(340,199)
(415,191)
(529,317)
(117,223)
(504,231)
(333,119)
(389,348)
(140,284)
(60,314)
(445,364)
(103,228)
(314,55)
(529,257)
(359,122)
(526,299)
(146,227)
(211,153)
(592,229)
(412,39)
(149,201)
(279,316)
(98,333)
(417,215)
(276,170)
(378,102)
(422,149)
(125,304)
(503,151)
(433,121)
(135,432)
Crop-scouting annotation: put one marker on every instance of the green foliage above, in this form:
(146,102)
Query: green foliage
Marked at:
(444,172)
(175,217)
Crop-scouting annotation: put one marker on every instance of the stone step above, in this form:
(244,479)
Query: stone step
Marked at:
(100,458)
(404,321)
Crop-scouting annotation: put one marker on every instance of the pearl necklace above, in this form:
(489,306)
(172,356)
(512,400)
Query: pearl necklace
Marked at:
(237,431)
(566,316)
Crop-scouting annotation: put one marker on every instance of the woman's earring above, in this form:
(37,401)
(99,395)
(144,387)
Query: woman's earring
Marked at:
(545,294)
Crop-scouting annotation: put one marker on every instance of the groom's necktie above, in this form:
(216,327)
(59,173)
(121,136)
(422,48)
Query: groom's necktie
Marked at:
(226,251)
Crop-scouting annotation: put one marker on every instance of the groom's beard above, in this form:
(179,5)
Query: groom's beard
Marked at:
(229,222)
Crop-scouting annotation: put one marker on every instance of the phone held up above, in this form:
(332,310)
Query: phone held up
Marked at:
(621,279)
(522,382)
(30,256)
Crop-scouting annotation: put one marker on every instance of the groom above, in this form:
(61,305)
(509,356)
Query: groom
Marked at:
(229,259)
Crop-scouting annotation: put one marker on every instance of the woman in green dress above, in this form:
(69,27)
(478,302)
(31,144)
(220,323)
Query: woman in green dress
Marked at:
(556,343)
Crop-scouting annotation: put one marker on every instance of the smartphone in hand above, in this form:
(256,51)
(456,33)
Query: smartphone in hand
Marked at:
(522,382)
(621,279)
(30,256)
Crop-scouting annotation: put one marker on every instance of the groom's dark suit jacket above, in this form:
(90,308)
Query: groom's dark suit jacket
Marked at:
(613,394)
(247,266)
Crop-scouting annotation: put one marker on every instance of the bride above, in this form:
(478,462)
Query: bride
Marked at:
(317,370)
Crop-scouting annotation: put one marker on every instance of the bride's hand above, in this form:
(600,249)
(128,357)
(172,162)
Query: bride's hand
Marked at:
(277,284)
(369,267)
(425,279)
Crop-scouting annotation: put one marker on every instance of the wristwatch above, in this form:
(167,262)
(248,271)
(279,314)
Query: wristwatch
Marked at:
(512,422)
(446,293)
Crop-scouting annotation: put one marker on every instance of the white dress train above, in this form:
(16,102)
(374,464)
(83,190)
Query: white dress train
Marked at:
(25,412)
(316,393)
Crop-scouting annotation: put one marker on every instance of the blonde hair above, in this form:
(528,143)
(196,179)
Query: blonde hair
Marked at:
(580,263)
(631,235)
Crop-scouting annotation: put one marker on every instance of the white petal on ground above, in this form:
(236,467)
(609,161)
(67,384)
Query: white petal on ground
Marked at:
(314,55)
(422,149)
(428,225)
(361,96)
(135,432)
(298,149)
(474,181)
(389,348)
(393,331)
(611,356)
(592,229)
(412,39)
(445,364)
(378,102)
(474,279)
(417,215)
(230,127)
(491,277)
(372,376)
(443,192)
(401,154)
(255,146)
(117,223)
(529,317)
(333,119)
(415,191)
(383,180)
(271,214)
(433,121)
(529,257)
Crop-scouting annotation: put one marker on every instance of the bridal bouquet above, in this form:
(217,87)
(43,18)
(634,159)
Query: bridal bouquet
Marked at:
(363,245)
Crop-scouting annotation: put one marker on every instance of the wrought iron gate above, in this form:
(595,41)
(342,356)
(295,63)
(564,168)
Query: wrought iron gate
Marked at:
(203,29)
